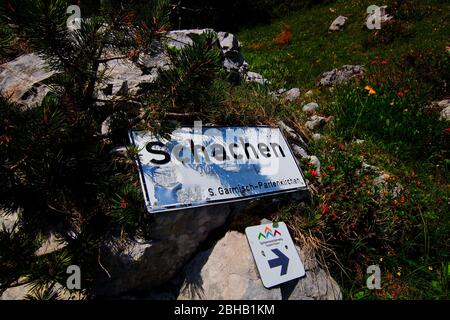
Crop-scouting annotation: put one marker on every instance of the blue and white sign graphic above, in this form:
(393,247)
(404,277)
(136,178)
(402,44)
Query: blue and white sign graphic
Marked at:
(198,166)
(275,254)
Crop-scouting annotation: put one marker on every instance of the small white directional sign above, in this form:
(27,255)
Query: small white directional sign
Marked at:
(275,254)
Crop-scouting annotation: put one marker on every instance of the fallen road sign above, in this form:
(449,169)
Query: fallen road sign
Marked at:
(198,166)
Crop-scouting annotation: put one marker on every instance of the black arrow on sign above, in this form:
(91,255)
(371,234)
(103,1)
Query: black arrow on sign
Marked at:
(282,261)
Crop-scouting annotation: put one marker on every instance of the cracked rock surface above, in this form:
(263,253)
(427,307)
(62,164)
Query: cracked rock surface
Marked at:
(227,271)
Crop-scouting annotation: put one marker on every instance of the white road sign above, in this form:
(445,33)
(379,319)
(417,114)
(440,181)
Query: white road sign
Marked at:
(197,166)
(275,254)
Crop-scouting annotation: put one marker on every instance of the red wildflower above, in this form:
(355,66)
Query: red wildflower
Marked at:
(446,130)
(401,94)
(123,203)
(384,62)
(341,146)
(284,36)
(373,62)
(413,174)
(418,182)
(324,208)
(402,200)
(313,172)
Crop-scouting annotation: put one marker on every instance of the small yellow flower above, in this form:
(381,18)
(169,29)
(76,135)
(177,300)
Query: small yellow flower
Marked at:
(399,273)
(371,90)
(430,268)
(381,259)
(392,103)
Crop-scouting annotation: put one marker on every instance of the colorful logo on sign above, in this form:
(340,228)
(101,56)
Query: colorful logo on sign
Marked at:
(268,233)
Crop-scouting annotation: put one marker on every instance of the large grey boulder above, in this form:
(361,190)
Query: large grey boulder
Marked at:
(228,271)
(23,79)
(140,264)
(340,75)
(123,78)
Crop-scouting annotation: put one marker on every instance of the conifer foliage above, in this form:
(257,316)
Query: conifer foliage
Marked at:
(56,168)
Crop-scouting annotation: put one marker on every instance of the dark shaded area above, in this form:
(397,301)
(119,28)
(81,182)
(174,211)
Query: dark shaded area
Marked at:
(228,15)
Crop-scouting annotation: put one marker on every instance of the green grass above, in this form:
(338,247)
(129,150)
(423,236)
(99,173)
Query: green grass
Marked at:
(406,231)
(312,50)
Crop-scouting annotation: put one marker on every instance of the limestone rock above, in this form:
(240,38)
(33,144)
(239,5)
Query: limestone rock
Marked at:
(367,168)
(231,52)
(20,293)
(291,95)
(315,123)
(255,77)
(140,264)
(384,185)
(8,220)
(123,79)
(445,114)
(15,293)
(340,75)
(315,162)
(23,79)
(310,107)
(292,134)
(228,271)
(180,38)
(299,151)
(338,23)
(51,244)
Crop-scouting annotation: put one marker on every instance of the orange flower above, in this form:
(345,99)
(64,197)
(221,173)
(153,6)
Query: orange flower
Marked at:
(371,90)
